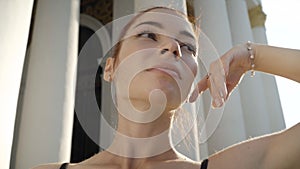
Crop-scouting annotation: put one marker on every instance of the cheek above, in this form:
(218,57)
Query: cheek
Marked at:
(127,48)
(123,53)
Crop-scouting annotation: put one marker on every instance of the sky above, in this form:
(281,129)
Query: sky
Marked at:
(283,29)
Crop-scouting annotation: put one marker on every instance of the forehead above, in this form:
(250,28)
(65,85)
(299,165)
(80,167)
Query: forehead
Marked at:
(169,21)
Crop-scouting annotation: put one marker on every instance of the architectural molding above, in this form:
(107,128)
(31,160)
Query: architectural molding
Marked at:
(256,16)
(100,30)
(99,9)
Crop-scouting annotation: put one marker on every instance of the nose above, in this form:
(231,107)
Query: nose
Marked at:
(171,45)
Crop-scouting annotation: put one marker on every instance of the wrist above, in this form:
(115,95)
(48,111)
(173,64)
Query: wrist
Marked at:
(251,57)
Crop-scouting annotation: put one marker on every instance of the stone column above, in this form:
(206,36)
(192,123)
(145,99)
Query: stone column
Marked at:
(46,122)
(215,24)
(15,19)
(252,89)
(257,19)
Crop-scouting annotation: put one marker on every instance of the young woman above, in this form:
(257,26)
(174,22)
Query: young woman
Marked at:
(152,70)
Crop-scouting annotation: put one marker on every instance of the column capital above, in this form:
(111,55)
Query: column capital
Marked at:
(256,16)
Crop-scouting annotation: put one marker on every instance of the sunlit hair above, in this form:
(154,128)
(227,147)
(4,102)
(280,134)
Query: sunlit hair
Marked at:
(116,49)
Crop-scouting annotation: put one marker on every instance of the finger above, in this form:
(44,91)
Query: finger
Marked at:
(218,84)
(194,96)
(216,92)
(201,86)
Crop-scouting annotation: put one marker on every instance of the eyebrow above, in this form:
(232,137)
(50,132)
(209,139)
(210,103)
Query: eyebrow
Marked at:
(186,33)
(159,25)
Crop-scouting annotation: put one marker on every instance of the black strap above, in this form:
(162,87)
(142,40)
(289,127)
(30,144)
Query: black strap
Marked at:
(204,164)
(64,166)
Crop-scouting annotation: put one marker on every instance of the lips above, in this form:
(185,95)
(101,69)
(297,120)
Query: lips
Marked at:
(168,69)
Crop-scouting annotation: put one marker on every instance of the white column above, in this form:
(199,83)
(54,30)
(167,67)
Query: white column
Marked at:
(214,23)
(252,89)
(257,18)
(15,18)
(46,122)
(239,21)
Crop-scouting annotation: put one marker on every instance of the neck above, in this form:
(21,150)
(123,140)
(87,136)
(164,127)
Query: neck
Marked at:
(138,140)
(144,130)
(130,163)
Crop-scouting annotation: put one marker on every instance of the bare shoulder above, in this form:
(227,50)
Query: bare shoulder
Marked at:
(48,166)
(170,164)
(70,166)
(174,164)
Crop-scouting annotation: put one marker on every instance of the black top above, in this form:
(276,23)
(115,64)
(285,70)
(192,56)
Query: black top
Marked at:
(64,166)
(204,165)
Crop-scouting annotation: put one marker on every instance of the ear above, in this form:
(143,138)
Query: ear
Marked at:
(109,69)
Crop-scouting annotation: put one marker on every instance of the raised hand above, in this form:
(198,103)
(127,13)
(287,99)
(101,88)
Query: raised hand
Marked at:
(225,74)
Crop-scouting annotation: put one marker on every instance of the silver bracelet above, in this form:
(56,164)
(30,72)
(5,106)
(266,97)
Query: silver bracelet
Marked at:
(251,57)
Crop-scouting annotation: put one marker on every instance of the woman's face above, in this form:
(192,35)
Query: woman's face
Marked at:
(158,52)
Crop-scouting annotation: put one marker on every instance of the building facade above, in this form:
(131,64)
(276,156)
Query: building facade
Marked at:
(47,80)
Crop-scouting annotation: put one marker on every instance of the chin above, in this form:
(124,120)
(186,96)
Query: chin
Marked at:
(173,100)
(142,86)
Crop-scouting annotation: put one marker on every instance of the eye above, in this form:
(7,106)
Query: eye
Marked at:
(149,35)
(190,48)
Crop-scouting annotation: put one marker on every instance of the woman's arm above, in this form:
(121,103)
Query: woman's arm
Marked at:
(278,61)
(284,150)
(226,72)
(275,151)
